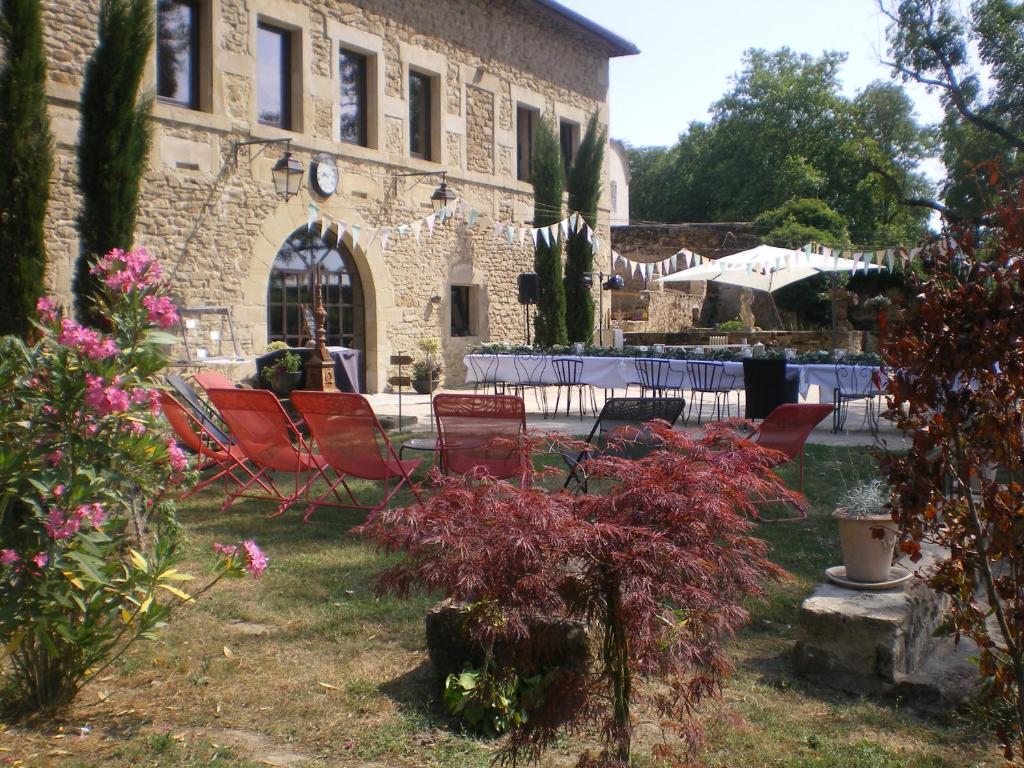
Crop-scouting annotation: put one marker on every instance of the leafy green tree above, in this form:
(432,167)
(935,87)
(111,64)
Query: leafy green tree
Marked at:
(25,163)
(797,222)
(930,42)
(548,175)
(113,141)
(584,194)
(786,131)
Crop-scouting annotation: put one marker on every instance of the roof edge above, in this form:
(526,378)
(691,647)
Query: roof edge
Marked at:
(619,46)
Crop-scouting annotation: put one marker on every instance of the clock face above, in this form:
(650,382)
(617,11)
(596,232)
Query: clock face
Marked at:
(326,176)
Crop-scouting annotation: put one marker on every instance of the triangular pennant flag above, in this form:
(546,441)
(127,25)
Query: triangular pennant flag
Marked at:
(574,221)
(403,229)
(596,244)
(637,270)
(533,233)
(888,258)
(430,222)
(553,234)
(325,226)
(461,208)
(689,258)
(472,217)
(385,235)
(545,235)
(564,224)
(510,233)
(523,232)
(589,232)
(341,229)
(313,211)
(354,231)
(615,259)
(856,262)
(498,228)
(416,226)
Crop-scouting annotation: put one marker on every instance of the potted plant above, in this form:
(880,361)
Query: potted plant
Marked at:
(284,373)
(867,533)
(426,373)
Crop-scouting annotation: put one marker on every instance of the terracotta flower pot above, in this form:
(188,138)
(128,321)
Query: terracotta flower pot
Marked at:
(866,557)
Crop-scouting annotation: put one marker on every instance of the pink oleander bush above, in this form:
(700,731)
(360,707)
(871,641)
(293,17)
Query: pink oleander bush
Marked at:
(88,535)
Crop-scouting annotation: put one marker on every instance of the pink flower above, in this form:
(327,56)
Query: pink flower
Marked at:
(95,512)
(58,490)
(161,310)
(87,341)
(255,561)
(54,459)
(125,272)
(105,400)
(226,550)
(41,559)
(9,557)
(179,461)
(46,309)
(150,397)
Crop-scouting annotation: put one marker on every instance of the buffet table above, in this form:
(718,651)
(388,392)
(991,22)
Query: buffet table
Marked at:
(620,372)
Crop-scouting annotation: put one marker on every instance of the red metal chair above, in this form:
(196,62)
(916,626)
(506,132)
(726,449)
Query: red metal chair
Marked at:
(787,428)
(270,441)
(213,380)
(483,434)
(352,443)
(214,451)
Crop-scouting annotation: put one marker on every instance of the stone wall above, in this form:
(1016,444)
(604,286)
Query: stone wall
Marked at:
(208,210)
(801,341)
(671,307)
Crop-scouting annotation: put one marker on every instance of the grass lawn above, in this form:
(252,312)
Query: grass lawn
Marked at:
(308,667)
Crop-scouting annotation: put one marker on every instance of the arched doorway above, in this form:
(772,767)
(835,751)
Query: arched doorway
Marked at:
(290,288)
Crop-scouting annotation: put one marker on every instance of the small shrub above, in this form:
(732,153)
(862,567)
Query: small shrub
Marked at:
(491,701)
(289,362)
(730,325)
(88,537)
(866,499)
(659,565)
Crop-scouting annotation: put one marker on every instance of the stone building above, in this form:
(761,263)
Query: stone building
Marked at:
(618,183)
(377,90)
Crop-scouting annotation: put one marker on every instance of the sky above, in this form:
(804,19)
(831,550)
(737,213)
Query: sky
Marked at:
(689,50)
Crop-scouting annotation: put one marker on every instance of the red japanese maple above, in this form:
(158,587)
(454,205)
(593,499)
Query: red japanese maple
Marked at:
(956,358)
(658,563)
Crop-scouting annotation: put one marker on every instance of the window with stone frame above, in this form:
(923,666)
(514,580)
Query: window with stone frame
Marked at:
(461,311)
(274,75)
(420,118)
(353,106)
(569,139)
(526,123)
(178,58)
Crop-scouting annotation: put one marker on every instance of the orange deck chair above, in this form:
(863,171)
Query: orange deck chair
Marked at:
(213,380)
(215,451)
(270,441)
(787,428)
(483,434)
(353,444)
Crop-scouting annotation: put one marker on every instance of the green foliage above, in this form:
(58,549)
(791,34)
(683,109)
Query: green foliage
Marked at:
(548,176)
(584,194)
(786,131)
(490,702)
(422,370)
(274,346)
(931,42)
(799,221)
(113,141)
(730,325)
(289,362)
(88,537)
(25,163)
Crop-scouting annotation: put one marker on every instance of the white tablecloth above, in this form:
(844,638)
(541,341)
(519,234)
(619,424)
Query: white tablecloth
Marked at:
(618,372)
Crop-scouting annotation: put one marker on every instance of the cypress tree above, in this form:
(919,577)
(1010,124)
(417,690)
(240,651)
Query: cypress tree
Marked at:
(25,163)
(584,194)
(548,176)
(114,139)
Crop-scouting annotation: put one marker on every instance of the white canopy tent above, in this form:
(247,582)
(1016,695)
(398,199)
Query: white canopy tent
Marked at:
(766,268)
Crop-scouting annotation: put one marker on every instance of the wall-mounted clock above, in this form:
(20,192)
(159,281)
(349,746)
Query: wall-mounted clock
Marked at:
(325,175)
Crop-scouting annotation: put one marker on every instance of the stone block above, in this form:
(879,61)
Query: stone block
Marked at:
(552,643)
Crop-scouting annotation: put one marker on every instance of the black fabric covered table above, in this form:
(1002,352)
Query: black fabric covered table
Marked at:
(768,385)
(346,365)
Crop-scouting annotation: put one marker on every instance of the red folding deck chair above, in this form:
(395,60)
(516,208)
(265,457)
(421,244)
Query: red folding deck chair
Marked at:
(270,441)
(787,428)
(215,453)
(352,443)
(213,380)
(482,434)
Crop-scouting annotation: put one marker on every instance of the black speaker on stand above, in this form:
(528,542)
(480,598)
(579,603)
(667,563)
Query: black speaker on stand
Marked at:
(529,293)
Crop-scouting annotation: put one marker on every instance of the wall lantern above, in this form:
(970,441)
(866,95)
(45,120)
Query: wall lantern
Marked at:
(286,173)
(440,197)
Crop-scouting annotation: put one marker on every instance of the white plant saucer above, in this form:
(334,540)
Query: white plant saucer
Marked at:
(897,575)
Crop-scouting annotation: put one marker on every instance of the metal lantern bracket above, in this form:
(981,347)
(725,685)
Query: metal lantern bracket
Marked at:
(263,144)
(285,171)
(441,196)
